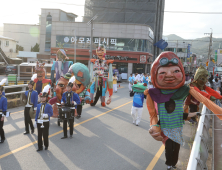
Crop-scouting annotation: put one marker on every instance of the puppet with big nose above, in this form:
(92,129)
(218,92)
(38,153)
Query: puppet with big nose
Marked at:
(166,100)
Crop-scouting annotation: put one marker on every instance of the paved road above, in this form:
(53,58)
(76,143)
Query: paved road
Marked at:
(104,139)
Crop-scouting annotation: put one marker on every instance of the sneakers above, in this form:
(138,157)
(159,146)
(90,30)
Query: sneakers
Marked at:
(174,167)
(169,168)
(64,137)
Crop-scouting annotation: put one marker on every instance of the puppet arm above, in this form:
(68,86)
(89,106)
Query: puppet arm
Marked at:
(155,130)
(203,93)
(209,104)
(213,92)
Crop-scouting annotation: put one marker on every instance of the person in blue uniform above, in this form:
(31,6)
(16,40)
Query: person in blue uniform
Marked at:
(3,108)
(69,98)
(42,119)
(32,101)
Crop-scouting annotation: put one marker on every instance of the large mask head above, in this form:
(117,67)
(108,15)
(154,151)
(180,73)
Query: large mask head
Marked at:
(40,70)
(201,76)
(82,76)
(61,55)
(101,51)
(61,85)
(167,71)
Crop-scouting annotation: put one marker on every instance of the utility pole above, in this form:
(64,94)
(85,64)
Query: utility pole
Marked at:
(91,38)
(210,45)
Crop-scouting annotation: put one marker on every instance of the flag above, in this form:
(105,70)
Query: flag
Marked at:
(161,44)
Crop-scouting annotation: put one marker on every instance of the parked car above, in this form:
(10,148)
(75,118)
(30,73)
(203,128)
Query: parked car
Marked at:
(2,69)
(11,69)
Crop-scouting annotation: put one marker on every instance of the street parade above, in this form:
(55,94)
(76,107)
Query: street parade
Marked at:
(107,85)
(169,102)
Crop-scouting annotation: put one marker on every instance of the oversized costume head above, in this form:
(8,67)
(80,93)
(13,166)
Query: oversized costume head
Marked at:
(82,77)
(201,76)
(61,85)
(167,71)
(40,70)
(139,87)
(101,51)
(61,55)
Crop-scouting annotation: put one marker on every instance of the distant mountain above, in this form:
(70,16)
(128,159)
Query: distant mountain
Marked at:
(200,46)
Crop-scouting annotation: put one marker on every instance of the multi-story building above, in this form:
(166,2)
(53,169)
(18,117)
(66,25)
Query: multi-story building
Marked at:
(130,45)
(8,46)
(148,12)
(25,34)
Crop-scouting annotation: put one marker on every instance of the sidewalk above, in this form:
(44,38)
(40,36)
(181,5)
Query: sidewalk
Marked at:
(217,144)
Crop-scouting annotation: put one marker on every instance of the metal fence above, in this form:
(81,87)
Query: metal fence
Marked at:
(23,86)
(199,152)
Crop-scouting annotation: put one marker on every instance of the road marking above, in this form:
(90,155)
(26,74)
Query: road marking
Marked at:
(17,112)
(54,134)
(156,158)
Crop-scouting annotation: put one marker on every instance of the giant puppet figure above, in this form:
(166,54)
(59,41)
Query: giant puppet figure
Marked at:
(199,83)
(78,74)
(60,66)
(40,80)
(166,100)
(101,77)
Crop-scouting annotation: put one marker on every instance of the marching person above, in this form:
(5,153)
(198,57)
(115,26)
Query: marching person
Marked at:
(42,118)
(114,83)
(32,101)
(131,80)
(69,98)
(3,108)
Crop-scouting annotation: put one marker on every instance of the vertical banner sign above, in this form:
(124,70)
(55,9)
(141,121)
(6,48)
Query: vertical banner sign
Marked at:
(188,50)
(215,55)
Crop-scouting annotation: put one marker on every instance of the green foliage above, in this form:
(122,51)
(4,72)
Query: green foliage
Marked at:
(35,48)
(19,48)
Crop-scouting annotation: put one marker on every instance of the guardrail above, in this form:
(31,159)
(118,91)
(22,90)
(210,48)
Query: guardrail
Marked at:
(16,86)
(199,152)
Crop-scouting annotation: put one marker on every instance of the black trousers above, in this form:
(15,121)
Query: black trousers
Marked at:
(79,109)
(171,152)
(193,108)
(98,94)
(71,122)
(43,132)
(2,133)
(28,119)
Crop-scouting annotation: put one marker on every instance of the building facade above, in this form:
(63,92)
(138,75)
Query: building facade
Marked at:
(148,12)
(130,45)
(26,35)
(8,46)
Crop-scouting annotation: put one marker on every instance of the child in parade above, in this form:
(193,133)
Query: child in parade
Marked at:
(138,98)
(42,118)
(3,108)
(114,83)
(32,101)
(69,98)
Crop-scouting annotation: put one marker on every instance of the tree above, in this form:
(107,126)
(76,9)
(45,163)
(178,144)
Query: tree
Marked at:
(35,48)
(19,48)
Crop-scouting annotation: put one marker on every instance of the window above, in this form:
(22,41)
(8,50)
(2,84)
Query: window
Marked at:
(6,43)
(48,33)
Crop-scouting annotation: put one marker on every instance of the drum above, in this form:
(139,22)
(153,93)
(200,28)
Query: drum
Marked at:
(65,113)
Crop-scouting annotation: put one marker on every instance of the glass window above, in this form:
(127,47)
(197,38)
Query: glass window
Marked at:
(138,68)
(6,43)
(48,33)
(122,67)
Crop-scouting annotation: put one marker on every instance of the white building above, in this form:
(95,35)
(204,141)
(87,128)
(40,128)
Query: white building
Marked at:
(26,35)
(8,46)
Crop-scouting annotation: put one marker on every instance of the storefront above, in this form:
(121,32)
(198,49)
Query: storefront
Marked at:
(125,61)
